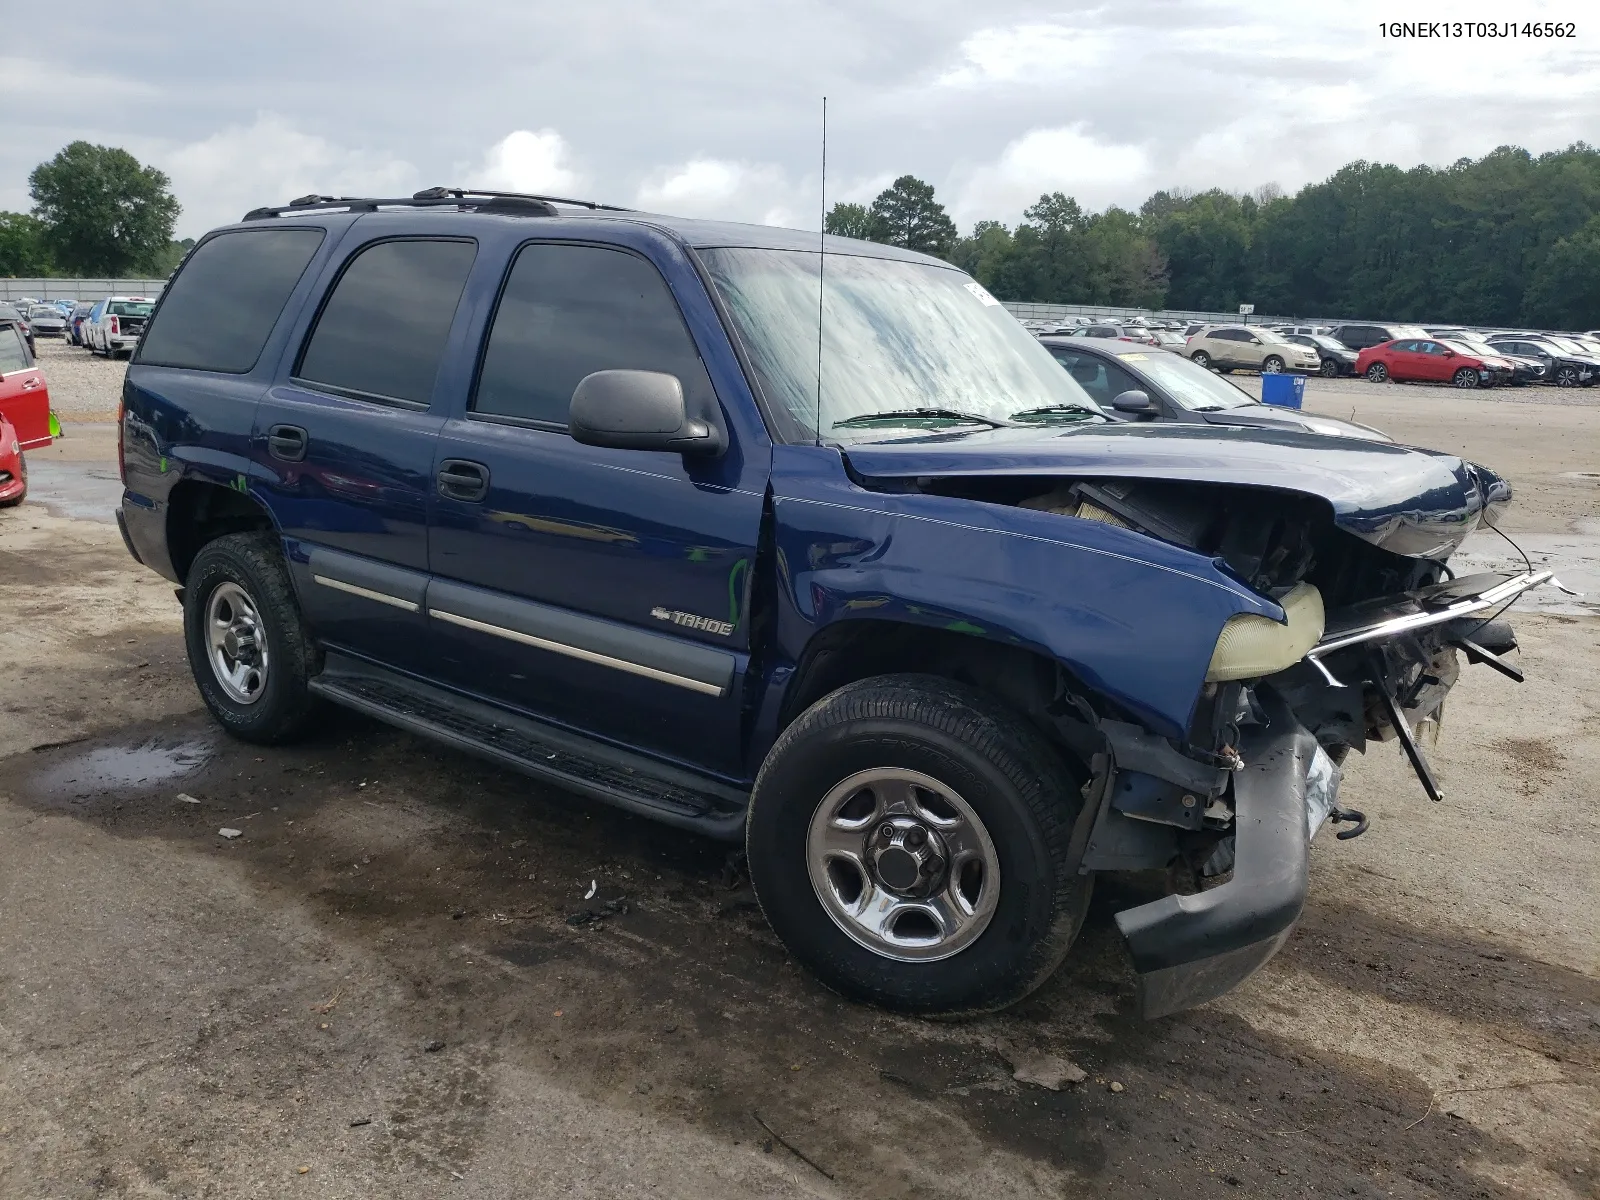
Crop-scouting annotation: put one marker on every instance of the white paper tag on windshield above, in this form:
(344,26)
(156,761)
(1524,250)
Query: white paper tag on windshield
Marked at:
(977,289)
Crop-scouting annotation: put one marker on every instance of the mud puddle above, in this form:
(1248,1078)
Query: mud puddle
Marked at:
(108,768)
(87,491)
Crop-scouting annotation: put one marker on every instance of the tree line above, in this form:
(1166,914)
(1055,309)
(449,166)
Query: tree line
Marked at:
(1507,239)
(97,211)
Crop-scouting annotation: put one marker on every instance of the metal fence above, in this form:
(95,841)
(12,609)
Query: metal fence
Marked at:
(78,289)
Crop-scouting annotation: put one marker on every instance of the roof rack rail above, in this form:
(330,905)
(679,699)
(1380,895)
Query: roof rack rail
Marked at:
(506,203)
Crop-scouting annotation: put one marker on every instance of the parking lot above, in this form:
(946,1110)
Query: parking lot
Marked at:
(397,981)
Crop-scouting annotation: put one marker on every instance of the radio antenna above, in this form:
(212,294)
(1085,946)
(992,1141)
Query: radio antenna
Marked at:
(822,256)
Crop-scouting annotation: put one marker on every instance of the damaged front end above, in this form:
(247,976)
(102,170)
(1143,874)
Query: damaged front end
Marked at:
(1370,645)
(1353,548)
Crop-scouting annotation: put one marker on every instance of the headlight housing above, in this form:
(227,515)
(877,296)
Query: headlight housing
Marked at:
(1251,646)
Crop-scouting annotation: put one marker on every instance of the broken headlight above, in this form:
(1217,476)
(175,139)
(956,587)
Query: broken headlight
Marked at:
(1251,646)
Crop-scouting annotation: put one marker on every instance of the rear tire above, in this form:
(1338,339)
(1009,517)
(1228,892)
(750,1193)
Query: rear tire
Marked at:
(898,750)
(249,649)
(1200,358)
(1378,373)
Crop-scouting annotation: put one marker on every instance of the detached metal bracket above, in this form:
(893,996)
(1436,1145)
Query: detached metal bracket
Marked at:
(1477,654)
(1402,729)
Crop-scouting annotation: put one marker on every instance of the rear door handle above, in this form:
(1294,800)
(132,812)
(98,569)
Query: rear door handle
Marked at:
(460,479)
(287,442)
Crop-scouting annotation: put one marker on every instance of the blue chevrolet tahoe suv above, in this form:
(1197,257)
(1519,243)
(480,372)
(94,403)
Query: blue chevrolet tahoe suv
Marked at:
(611,499)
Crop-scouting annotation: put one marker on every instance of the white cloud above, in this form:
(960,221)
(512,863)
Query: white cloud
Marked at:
(726,190)
(1066,160)
(221,177)
(1025,54)
(528,161)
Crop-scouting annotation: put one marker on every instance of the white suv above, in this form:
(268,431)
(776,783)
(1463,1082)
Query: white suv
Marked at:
(120,325)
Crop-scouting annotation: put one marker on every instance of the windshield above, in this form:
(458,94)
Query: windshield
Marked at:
(1327,343)
(1567,344)
(131,308)
(897,337)
(1190,386)
(1271,336)
(42,310)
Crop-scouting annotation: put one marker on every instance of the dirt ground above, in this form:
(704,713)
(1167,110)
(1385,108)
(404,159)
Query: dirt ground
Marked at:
(378,991)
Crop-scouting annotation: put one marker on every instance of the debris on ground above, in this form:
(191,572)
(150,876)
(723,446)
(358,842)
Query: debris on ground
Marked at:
(618,907)
(360,1121)
(1048,1071)
(185,798)
(432,1046)
(1113,1086)
(229,833)
(594,886)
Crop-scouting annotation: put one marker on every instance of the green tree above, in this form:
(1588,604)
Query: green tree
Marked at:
(104,213)
(1564,290)
(852,221)
(985,254)
(906,214)
(22,246)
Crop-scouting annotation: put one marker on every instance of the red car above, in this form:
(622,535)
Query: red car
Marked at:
(24,413)
(1428,361)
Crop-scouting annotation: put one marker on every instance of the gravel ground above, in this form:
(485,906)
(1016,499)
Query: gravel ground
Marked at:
(83,386)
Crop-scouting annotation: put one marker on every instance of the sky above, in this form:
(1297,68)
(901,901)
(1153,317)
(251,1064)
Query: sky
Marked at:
(713,107)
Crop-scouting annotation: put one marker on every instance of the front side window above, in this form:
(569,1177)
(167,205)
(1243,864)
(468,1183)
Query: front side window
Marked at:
(381,334)
(903,344)
(218,312)
(1190,386)
(569,311)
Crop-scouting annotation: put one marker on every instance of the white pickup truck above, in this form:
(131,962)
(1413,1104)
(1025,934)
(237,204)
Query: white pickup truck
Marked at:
(118,325)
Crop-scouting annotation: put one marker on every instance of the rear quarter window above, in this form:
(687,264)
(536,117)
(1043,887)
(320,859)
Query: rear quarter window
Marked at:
(216,315)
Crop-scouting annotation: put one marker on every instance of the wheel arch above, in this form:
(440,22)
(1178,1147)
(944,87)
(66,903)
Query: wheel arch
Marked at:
(200,511)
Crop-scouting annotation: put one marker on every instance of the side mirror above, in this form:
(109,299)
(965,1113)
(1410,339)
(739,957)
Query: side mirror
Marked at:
(1135,403)
(637,410)
(1449,353)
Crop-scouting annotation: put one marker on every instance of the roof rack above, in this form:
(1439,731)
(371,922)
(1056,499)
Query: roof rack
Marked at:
(504,203)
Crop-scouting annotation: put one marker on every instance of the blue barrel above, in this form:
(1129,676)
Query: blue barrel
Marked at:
(1284,390)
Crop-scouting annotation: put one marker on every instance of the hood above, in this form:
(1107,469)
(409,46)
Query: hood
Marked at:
(1267,416)
(1409,501)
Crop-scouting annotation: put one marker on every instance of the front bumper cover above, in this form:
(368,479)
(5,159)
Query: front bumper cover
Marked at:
(1191,949)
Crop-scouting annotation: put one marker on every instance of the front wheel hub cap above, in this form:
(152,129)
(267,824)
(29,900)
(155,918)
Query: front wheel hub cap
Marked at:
(903,865)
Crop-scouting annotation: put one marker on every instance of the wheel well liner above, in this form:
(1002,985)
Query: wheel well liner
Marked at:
(199,511)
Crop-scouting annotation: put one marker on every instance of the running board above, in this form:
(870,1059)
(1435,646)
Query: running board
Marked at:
(569,760)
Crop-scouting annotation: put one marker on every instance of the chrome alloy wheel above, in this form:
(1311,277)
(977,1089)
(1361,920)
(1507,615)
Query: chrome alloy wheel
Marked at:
(237,642)
(903,865)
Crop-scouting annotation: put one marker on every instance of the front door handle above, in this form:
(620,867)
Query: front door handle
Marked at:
(287,442)
(460,479)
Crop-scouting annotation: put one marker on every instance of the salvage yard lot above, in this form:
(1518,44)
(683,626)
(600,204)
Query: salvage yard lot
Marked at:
(381,982)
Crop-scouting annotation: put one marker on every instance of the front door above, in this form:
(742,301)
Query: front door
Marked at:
(607,590)
(348,441)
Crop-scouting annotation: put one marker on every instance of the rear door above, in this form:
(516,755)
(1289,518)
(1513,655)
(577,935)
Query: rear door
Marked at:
(347,439)
(607,590)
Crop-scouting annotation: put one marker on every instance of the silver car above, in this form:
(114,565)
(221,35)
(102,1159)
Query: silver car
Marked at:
(46,321)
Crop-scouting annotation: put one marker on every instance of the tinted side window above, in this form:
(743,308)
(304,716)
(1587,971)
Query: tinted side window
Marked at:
(568,311)
(382,331)
(1119,381)
(1088,371)
(13,354)
(1104,331)
(218,312)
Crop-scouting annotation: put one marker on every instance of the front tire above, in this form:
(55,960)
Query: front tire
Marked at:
(1378,373)
(249,649)
(1567,377)
(1271,365)
(1329,368)
(908,841)
(1466,377)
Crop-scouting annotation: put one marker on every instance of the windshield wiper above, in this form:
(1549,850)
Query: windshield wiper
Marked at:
(1048,410)
(898,414)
